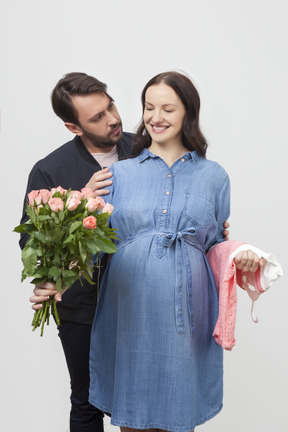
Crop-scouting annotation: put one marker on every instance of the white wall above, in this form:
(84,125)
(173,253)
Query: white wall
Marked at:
(236,53)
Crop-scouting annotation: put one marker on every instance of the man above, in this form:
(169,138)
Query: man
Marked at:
(88,111)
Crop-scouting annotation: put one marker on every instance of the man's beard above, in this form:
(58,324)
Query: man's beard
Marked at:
(102,142)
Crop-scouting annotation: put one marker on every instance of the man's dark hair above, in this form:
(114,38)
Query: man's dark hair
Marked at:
(74,84)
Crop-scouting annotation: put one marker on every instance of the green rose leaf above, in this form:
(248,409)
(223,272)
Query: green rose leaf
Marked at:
(88,278)
(41,272)
(74,226)
(31,213)
(29,258)
(44,217)
(40,236)
(82,251)
(27,227)
(37,281)
(69,277)
(69,239)
(54,236)
(92,246)
(106,245)
(59,284)
(54,273)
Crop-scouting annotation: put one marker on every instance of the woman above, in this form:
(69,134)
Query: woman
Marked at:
(153,361)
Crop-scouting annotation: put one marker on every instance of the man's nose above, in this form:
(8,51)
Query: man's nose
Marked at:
(112,119)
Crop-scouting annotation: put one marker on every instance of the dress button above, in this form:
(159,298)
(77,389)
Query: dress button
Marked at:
(169,175)
(164,211)
(182,160)
(167,192)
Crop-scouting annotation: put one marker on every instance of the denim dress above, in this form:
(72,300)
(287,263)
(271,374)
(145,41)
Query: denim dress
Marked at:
(153,360)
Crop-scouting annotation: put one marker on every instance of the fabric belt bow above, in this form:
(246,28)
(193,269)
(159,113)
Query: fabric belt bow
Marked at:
(181,240)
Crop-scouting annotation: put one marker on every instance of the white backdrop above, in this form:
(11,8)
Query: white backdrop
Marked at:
(236,53)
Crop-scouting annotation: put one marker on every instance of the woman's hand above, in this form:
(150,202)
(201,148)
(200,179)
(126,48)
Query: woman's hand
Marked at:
(226,225)
(248,261)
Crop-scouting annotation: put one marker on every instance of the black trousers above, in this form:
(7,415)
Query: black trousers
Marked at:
(75,339)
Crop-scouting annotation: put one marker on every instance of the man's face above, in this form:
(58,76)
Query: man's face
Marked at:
(100,124)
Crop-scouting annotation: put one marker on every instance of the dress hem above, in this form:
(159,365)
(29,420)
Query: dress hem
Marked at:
(156,425)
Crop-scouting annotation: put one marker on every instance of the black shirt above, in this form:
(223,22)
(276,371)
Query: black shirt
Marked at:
(71,166)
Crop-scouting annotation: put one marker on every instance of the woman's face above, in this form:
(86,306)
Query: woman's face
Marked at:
(163,115)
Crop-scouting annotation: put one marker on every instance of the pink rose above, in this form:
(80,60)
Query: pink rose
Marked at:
(59,189)
(75,194)
(45,195)
(38,199)
(33,197)
(89,222)
(56,204)
(95,204)
(108,208)
(87,193)
(72,203)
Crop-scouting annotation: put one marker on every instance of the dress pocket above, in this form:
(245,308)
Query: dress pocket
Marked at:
(198,209)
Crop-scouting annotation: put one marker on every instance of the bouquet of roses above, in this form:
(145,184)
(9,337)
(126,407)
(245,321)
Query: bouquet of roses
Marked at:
(66,228)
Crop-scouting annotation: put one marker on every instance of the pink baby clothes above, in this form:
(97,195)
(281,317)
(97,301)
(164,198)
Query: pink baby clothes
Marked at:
(227,277)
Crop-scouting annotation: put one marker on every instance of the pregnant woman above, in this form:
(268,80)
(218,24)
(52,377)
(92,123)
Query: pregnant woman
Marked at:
(153,362)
